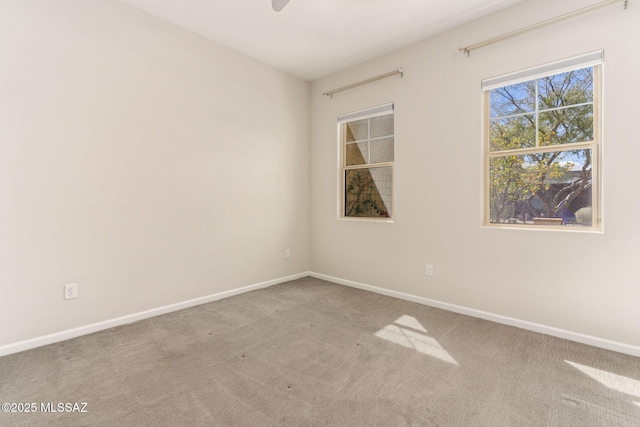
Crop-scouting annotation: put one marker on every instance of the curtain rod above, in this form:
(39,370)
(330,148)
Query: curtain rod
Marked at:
(364,82)
(468,49)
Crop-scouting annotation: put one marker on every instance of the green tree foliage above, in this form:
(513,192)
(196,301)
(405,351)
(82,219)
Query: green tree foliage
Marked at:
(548,112)
(362,198)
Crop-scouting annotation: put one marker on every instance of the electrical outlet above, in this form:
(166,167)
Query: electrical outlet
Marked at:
(71,291)
(287,254)
(429,270)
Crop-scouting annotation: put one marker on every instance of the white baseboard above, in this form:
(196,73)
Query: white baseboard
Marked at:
(523,324)
(95,327)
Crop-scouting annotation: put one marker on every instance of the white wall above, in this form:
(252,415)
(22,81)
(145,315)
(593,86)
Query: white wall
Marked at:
(140,161)
(587,283)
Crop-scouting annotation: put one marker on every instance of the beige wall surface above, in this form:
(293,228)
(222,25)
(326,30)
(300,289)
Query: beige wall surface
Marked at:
(587,283)
(140,161)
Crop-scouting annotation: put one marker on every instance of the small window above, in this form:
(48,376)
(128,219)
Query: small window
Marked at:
(366,142)
(542,147)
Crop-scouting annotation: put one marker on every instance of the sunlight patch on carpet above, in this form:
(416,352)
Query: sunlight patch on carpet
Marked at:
(414,338)
(613,381)
(410,322)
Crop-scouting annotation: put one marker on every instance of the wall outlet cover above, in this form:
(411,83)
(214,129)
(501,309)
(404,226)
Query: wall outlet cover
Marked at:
(71,291)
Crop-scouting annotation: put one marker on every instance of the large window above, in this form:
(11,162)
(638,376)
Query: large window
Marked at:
(366,143)
(542,146)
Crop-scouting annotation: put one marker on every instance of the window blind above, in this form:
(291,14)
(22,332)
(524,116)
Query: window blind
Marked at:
(574,63)
(368,112)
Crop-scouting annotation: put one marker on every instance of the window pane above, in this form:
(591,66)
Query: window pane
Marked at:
(571,88)
(382,150)
(368,192)
(542,189)
(357,153)
(566,125)
(356,130)
(514,99)
(513,132)
(382,126)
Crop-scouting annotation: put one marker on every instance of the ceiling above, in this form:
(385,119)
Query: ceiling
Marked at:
(314,38)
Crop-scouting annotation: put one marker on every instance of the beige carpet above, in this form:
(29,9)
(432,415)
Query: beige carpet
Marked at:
(313,353)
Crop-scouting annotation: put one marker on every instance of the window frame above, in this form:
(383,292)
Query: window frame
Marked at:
(595,145)
(368,113)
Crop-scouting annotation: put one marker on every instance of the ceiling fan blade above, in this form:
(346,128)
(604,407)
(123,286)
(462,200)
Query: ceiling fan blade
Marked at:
(278,5)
